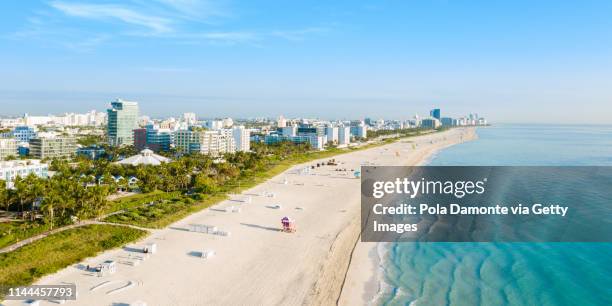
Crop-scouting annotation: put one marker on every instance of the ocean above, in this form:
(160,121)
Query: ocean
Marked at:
(508,273)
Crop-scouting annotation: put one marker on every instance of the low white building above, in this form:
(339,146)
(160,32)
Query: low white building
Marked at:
(146,157)
(9,170)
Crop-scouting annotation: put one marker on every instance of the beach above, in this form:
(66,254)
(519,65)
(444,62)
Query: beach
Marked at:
(256,263)
(364,280)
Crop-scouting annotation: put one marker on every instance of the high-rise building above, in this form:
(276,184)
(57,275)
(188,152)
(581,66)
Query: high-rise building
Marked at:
(122,121)
(332,134)
(430,123)
(344,135)
(8,147)
(152,138)
(282,122)
(359,130)
(214,143)
(242,139)
(190,118)
(446,121)
(53,147)
(140,139)
(435,113)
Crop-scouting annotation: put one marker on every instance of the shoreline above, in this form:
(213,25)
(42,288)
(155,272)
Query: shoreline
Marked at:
(260,265)
(364,283)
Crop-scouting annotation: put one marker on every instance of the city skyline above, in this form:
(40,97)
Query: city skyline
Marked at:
(523,62)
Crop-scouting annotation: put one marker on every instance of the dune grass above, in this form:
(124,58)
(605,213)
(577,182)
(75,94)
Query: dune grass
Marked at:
(55,252)
(165,212)
(14,231)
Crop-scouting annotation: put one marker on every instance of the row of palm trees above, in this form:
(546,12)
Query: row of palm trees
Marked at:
(80,190)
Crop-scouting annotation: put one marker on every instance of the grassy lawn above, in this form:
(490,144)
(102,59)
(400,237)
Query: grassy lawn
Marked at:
(15,231)
(48,255)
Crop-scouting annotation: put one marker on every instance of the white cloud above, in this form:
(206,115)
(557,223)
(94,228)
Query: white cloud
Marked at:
(103,11)
(170,21)
(197,8)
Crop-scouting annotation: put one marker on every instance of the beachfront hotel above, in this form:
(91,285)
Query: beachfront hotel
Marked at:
(122,121)
(215,142)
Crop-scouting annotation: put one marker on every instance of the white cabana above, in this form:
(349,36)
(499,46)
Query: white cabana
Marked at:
(150,248)
(146,157)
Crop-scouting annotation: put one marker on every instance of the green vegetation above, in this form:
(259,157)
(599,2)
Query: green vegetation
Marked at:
(165,212)
(139,199)
(89,140)
(168,192)
(15,231)
(48,255)
(396,133)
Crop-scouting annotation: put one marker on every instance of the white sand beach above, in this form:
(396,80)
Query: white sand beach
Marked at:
(258,264)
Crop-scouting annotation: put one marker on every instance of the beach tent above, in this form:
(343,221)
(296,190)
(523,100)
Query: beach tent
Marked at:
(150,248)
(107,267)
(202,228)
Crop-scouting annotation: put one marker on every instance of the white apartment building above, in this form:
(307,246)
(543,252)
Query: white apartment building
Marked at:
(215,142)
(9,170)
(242,139)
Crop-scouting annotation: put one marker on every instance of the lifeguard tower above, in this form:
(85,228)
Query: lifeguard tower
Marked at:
(288,225)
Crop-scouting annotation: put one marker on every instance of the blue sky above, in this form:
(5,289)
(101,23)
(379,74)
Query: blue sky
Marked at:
(512,61)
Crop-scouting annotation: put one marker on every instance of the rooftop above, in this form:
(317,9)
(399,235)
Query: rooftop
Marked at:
(146,157)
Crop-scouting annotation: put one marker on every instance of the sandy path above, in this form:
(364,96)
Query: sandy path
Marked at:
(257,264)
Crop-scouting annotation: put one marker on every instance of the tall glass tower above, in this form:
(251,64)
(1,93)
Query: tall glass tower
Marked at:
(435,113)
(122,120)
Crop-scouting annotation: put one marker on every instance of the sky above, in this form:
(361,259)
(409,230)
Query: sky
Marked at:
(510,61)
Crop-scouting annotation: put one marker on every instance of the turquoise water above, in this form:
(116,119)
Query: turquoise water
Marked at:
(509,273)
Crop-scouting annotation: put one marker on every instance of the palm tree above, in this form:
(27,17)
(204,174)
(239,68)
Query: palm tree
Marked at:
(4,195)
(52,199)
(21,192)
